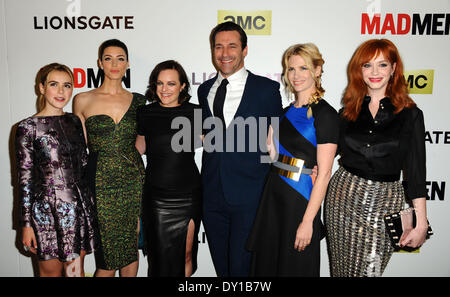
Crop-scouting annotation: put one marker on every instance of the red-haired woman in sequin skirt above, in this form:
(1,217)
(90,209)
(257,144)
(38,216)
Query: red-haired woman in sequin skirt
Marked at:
(381,133)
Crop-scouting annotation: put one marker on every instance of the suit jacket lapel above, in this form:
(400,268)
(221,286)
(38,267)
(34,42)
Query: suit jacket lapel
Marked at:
(246,96)
(204,96)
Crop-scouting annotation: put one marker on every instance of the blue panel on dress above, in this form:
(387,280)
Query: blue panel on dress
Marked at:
(304,185)
(298,118)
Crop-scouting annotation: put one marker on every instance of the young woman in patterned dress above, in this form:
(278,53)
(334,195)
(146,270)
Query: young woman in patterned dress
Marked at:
(57,209)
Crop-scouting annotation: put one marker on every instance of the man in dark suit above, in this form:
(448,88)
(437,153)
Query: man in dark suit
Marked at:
(233,173)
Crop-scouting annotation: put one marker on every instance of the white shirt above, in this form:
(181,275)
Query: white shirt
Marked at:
(235,89)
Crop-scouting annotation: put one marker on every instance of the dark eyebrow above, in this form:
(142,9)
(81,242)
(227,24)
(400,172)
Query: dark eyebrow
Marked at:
(169,81)
(108,55)
(52,81)
(231,43)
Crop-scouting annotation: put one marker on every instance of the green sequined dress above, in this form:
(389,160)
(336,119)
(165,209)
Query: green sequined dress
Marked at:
(116,174)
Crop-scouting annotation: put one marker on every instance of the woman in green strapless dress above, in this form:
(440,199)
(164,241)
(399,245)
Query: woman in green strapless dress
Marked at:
(116,170)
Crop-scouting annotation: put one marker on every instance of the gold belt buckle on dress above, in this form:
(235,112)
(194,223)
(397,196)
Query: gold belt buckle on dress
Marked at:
(293,168)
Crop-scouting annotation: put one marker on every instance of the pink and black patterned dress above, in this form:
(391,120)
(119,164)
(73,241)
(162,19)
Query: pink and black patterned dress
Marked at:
(54,197)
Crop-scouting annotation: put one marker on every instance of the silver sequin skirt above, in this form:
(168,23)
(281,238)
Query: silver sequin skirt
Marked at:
(357,242)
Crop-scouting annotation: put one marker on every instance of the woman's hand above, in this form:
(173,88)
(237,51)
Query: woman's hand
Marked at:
(415,238)
(325,158)
(29,239)
(270,145)
(140,144)
(303,236)
(314,171)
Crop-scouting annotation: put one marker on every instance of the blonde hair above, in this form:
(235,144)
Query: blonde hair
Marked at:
(42,79)
(313,59)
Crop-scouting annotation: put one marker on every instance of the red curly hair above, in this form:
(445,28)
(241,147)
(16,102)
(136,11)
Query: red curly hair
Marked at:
(356,89)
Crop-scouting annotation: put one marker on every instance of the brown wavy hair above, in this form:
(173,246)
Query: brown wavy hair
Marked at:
(42,79)
(356,89)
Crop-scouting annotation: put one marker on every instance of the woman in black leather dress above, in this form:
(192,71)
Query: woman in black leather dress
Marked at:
(172,197)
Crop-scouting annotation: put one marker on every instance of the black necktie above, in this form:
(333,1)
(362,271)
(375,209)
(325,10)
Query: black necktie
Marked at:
(219,99)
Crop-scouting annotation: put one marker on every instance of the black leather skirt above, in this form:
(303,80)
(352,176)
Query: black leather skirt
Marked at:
(166,218)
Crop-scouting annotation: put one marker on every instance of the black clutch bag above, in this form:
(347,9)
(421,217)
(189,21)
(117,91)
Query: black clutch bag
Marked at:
(402,222)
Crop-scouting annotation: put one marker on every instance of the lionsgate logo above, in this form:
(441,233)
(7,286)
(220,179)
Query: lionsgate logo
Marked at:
(83,22)
(241,135)
(73,20)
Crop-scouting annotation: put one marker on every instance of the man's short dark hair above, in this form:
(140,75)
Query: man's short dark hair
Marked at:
(228,26)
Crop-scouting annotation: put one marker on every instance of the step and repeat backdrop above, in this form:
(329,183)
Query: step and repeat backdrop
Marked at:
(35,33)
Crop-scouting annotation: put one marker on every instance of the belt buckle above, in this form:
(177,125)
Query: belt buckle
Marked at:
(295,176)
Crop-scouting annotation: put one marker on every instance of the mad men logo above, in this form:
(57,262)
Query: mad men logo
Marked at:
(420,81)
(93,78)
(258,22)
(402,24)
(436,189)
(83,22)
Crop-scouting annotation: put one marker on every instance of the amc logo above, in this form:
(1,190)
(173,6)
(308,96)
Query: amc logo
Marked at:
(258,22)
(420,81)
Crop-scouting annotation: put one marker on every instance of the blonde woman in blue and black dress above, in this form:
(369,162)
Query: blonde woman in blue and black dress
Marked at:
(285,239)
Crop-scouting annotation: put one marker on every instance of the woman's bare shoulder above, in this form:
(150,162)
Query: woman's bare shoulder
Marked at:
(85,95)
(84,98)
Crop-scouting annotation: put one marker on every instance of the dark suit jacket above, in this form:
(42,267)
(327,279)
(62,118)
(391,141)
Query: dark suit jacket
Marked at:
(240,174)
